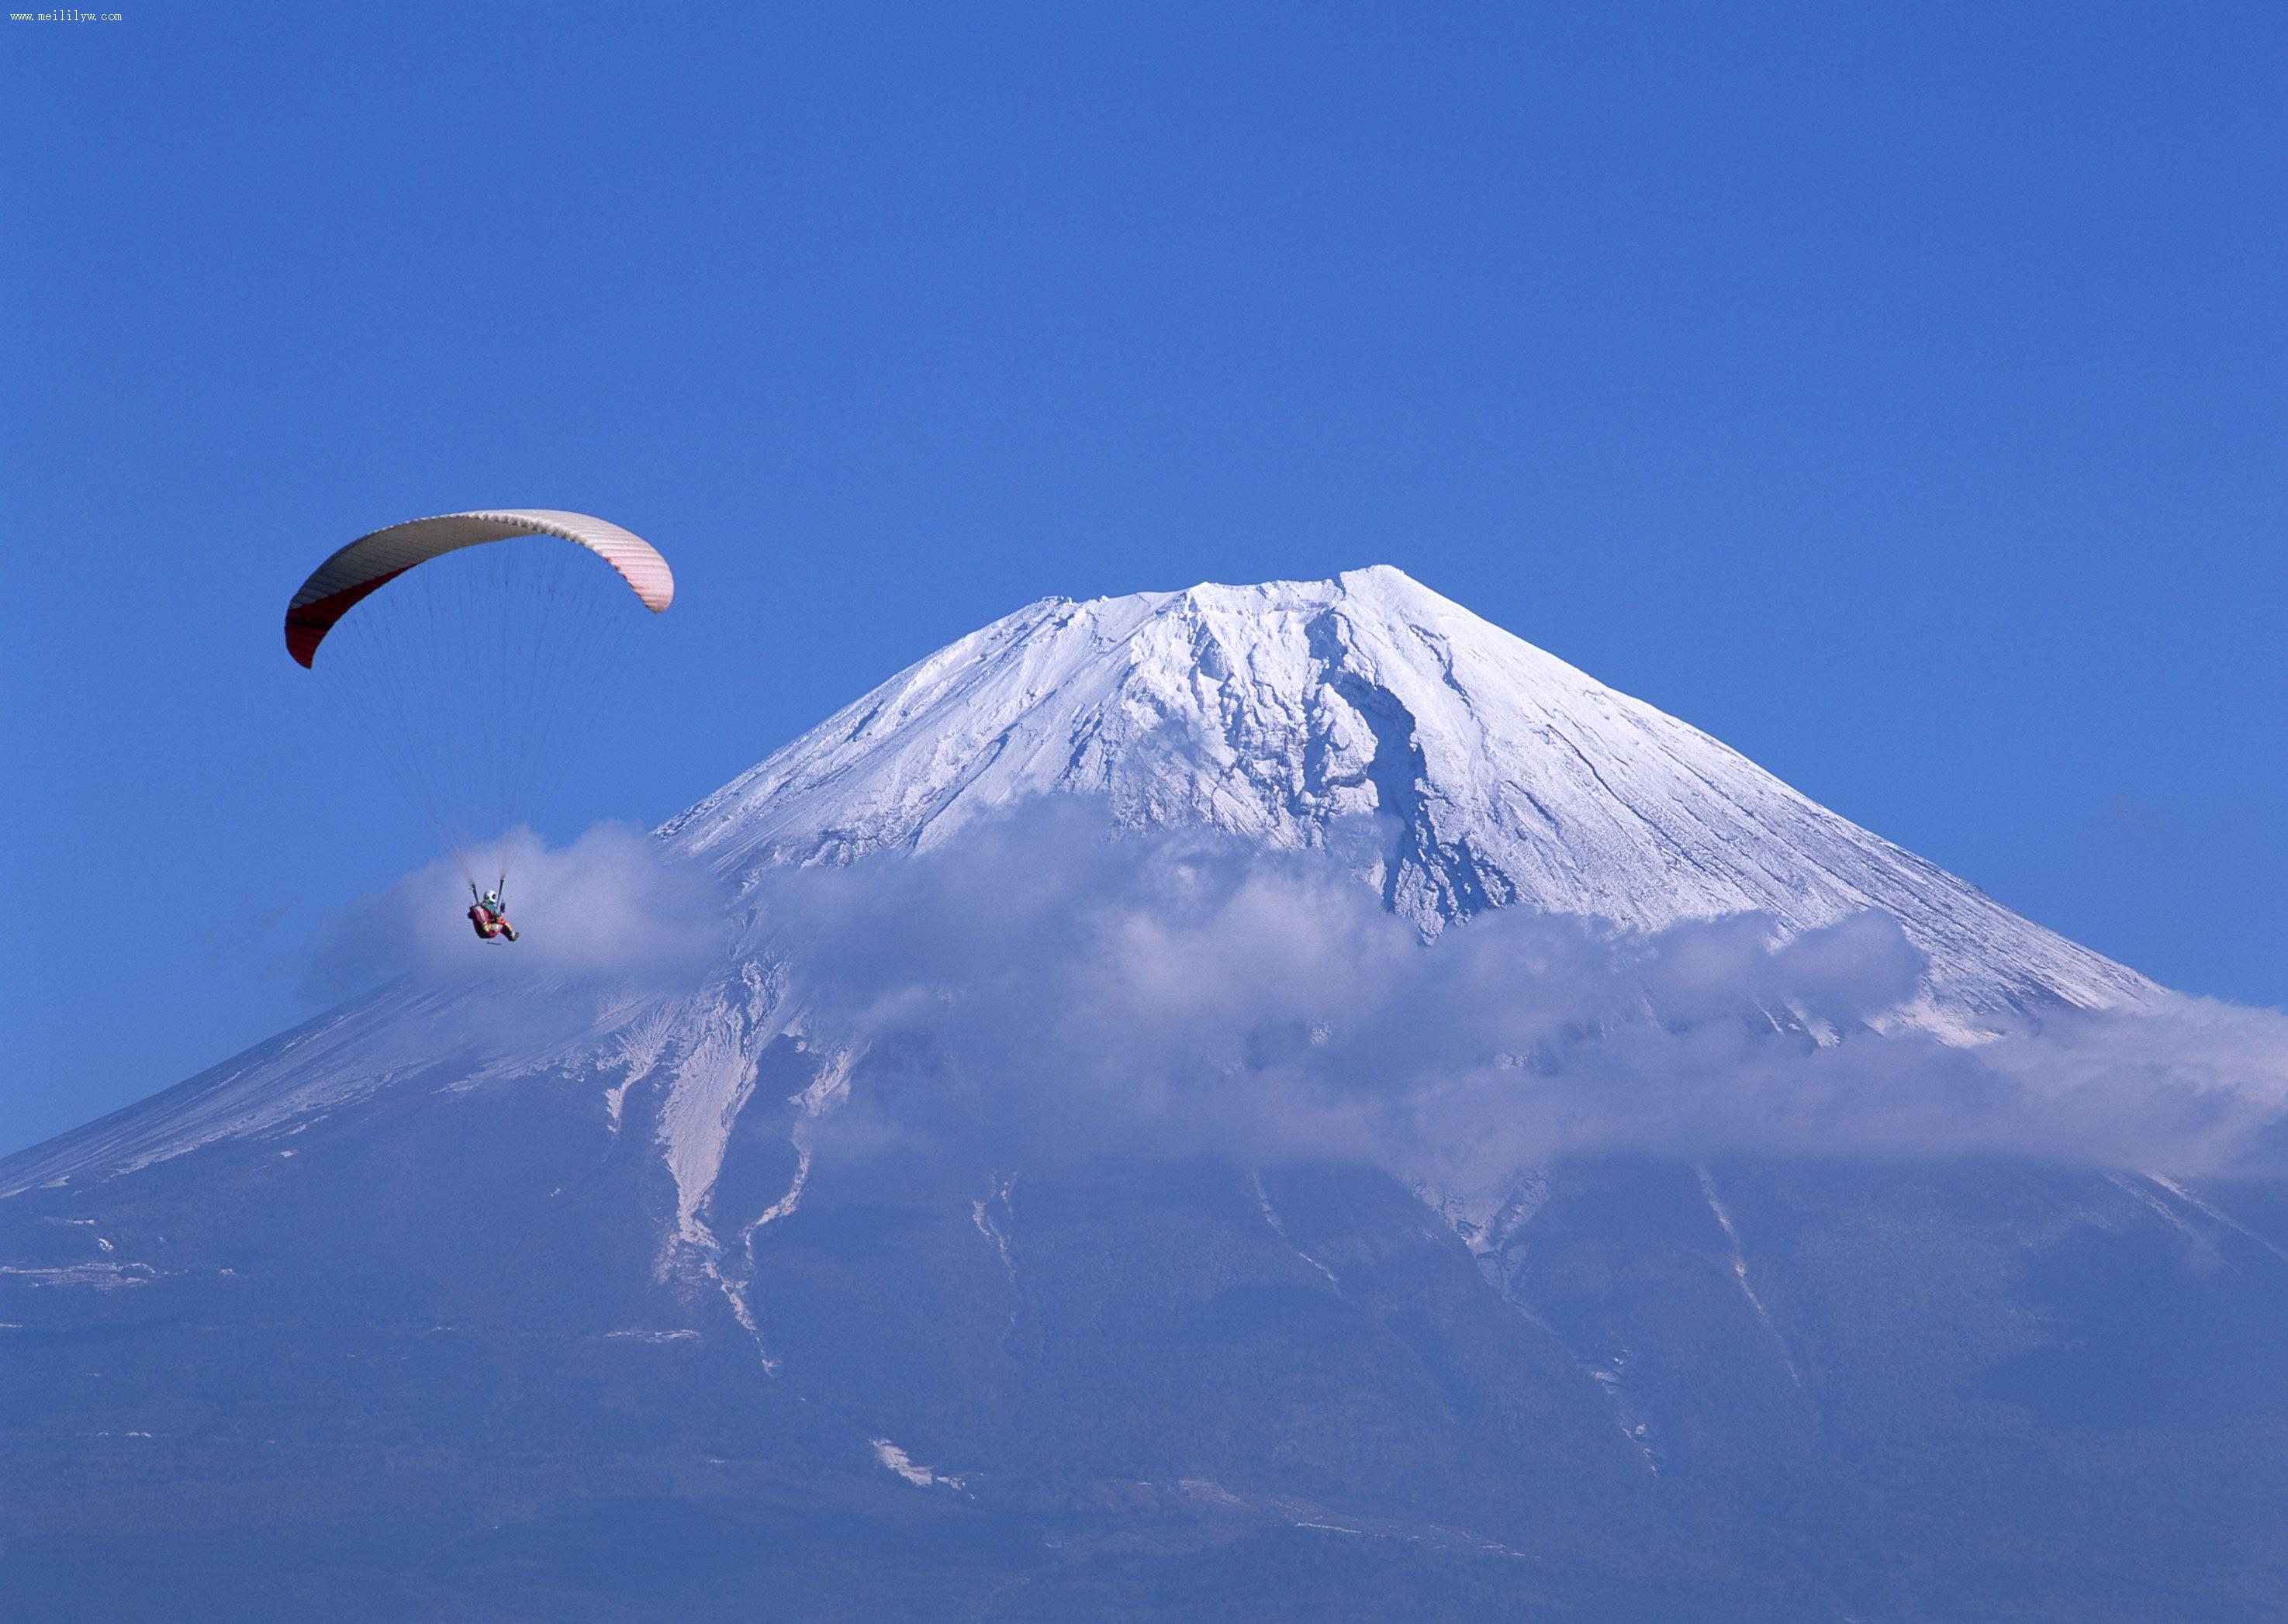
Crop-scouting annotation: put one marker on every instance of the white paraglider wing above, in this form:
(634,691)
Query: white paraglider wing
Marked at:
(491,653)
(374,560)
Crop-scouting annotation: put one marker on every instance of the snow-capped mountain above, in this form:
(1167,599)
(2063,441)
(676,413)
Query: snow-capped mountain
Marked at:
(1503,777)
(496,1300)
(1273,711)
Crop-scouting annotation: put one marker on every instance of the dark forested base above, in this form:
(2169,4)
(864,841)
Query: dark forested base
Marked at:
(440,1363)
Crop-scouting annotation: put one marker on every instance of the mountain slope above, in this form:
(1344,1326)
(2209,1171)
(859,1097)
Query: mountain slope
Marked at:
(1275,711)
(483,1302)
(1496,775)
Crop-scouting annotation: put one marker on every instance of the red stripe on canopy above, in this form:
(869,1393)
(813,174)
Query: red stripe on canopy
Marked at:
(308,626)
(372,561)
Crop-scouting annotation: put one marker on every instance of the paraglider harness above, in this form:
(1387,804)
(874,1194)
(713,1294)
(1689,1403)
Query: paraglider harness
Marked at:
(487,915)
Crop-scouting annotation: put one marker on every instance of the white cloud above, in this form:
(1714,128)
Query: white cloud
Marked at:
(1082,992)
(608,906)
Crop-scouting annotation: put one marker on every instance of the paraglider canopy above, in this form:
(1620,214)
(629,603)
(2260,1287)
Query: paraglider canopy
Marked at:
(494,654)
(374,560)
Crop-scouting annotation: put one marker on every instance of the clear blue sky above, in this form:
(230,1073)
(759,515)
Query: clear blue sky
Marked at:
(1895,391)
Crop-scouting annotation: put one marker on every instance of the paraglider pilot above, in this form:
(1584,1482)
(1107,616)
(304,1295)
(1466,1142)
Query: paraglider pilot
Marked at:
(485,913)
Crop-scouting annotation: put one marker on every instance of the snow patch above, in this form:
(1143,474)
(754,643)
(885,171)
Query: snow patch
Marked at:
(2216,1216)
(1740,1271)
(981,1214)
(103,1277)
(1271,1217)
(921,1476)
(828,1087)
(1485,1220)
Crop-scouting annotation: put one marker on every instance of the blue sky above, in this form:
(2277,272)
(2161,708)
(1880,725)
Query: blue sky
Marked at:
(1896,391)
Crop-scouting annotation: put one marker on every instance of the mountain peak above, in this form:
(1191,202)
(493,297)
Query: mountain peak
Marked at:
(1281,711)
(1375,590)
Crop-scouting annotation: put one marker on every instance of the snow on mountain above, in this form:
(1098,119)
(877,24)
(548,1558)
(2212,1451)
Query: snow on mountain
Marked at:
(1273,712)
(1276,712)
(571,1288)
